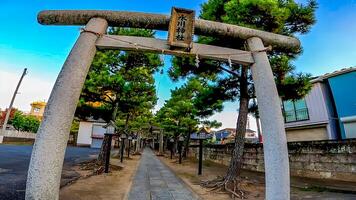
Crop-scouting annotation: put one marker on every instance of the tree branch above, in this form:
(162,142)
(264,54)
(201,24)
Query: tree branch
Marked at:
(229,71)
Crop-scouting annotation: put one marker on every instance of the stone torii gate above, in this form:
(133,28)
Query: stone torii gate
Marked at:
(48,152)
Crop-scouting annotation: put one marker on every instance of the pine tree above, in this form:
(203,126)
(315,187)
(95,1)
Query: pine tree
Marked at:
(120,85)
(187,108)
(234,81)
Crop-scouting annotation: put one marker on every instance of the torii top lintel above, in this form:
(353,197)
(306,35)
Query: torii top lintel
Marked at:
(161,22)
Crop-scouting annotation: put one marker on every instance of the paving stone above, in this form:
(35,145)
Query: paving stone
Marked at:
(154,181)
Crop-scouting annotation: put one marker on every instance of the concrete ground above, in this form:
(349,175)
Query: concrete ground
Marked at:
(154,180)
(14,162)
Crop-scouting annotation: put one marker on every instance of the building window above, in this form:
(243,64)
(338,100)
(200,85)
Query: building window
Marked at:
(36,110)
(295,110)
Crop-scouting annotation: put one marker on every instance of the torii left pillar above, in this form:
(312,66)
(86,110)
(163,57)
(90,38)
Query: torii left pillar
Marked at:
(46,163)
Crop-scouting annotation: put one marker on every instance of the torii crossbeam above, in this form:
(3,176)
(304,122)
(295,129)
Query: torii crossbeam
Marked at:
(48,153)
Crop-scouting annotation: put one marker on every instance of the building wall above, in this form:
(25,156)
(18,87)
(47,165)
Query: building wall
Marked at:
(349,126)
(84,133)
(333,127)
(96,143)
(310,134)
(318,104)
(317,110)
(333,160)
(344,94)
(98,132)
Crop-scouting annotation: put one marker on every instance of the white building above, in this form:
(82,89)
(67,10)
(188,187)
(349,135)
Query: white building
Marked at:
(91,133)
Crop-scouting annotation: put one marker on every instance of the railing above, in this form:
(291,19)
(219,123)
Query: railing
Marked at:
(296,115)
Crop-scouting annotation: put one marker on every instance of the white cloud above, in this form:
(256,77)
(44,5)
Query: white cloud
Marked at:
(32,89)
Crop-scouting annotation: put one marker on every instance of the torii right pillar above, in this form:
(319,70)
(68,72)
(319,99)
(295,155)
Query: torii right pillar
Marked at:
(275,141)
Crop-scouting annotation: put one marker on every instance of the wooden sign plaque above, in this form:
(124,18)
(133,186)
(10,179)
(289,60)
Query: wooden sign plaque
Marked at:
(181,29)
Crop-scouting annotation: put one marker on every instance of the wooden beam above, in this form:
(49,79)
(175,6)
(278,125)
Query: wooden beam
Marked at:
(161,22)
(132,43)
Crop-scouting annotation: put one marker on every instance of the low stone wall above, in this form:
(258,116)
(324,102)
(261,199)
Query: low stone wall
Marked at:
(18,134)
(316,159)
(13,136)
(13,140)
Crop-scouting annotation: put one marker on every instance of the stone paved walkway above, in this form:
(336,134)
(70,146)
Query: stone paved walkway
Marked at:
(154,180)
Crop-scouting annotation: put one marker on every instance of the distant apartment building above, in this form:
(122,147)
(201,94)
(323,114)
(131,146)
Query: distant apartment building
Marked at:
(328,112)
(227,135)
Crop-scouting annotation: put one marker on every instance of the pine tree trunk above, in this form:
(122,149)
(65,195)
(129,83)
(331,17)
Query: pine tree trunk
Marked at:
(102,153)
(186,144)
(127,121)
(104,145)
(138,141)
(237,154)
(126,146)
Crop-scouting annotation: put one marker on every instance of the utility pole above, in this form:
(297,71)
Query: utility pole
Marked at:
(10,107)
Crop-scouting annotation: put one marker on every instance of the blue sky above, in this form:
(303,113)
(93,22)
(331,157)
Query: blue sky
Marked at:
(24,43)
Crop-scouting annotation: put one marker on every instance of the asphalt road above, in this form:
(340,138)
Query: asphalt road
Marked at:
(14,161)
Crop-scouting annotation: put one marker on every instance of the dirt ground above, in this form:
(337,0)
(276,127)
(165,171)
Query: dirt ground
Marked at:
(253,187)
(187,171)
(115,185)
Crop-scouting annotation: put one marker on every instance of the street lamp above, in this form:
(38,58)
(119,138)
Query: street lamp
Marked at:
(123,136)
(128,152)
(171,146)
(201,136)
(154,133)
(180,144)
(110,130)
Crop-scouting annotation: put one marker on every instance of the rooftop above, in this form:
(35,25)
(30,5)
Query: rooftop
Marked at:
(39,103)
(332,74)
(233,130)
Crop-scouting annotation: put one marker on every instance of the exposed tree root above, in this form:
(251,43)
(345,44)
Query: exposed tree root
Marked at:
(225,185)
(97,167)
